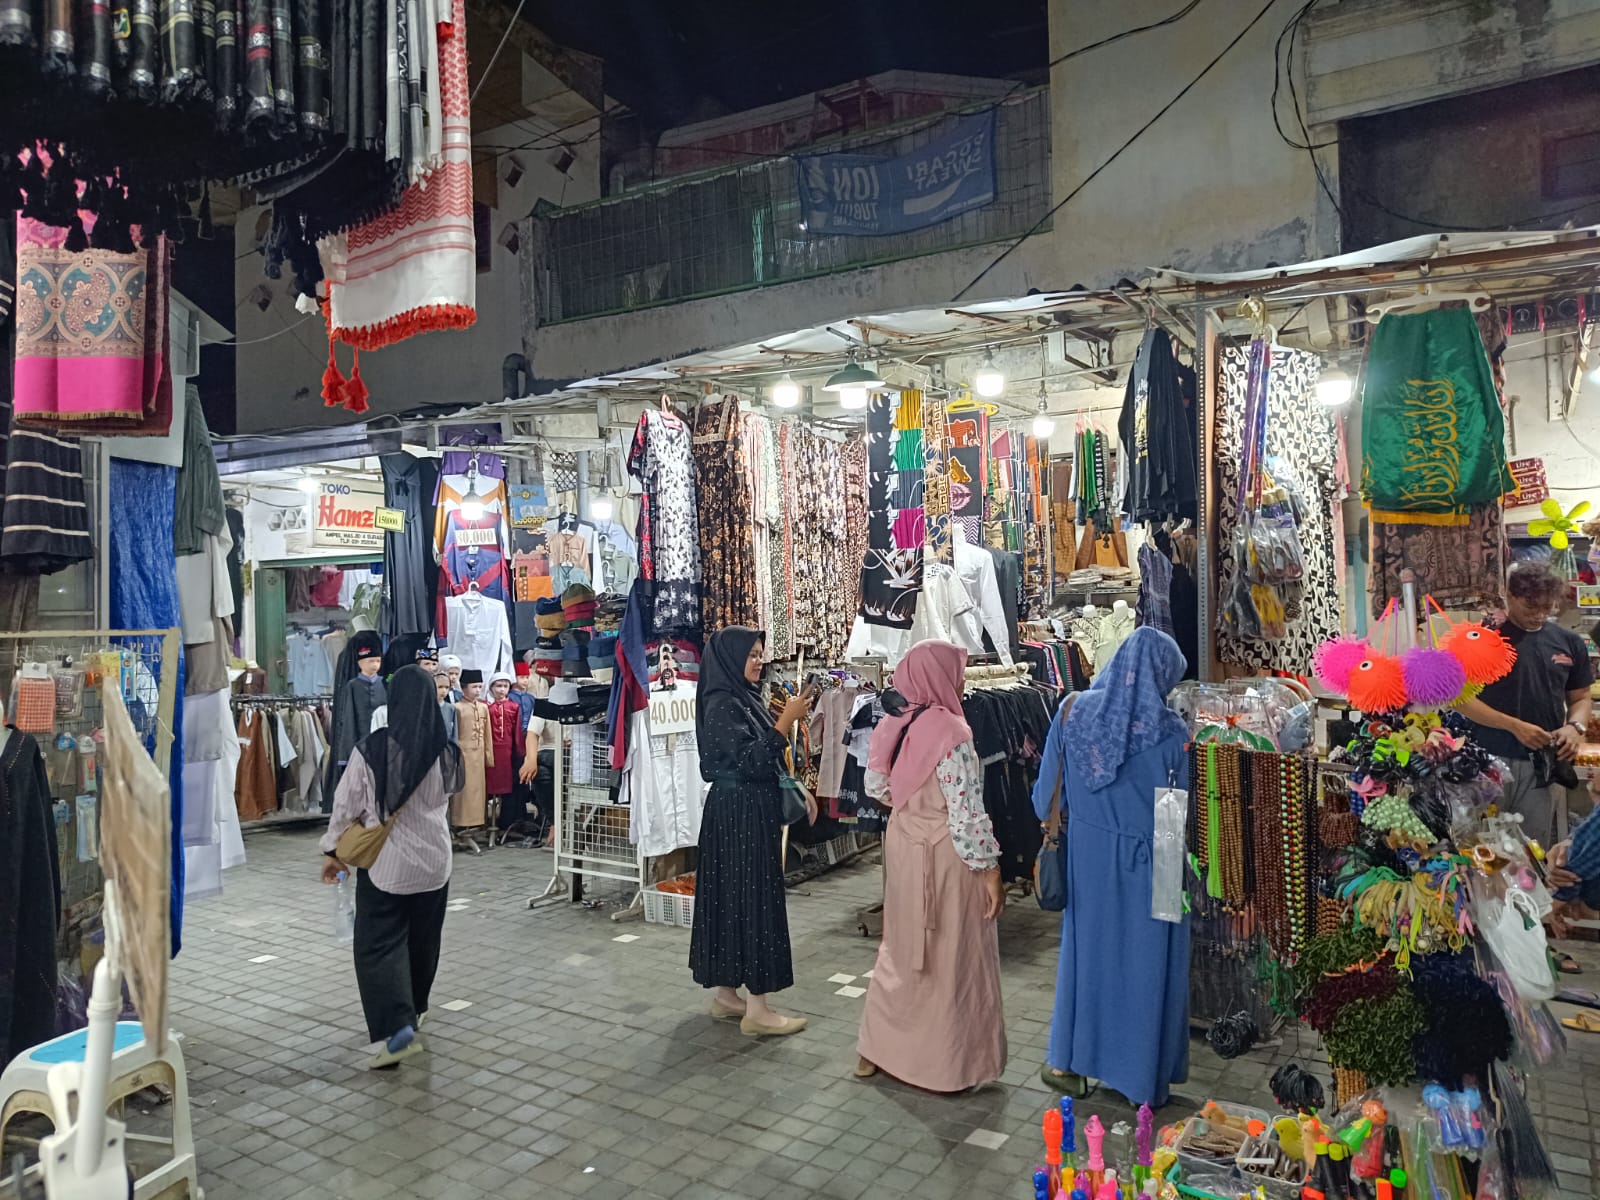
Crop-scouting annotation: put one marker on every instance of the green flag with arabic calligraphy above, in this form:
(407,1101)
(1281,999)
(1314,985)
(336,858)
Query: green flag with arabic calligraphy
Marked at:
(1432,434)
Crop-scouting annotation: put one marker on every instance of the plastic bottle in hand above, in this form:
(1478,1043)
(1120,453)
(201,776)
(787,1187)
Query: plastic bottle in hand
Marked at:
(344,909)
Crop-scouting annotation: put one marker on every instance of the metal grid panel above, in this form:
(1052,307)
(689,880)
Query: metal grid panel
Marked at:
(741,228)
(149,691)
(592,849)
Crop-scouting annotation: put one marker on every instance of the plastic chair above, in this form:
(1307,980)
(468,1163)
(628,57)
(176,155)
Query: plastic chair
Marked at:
(134,1066)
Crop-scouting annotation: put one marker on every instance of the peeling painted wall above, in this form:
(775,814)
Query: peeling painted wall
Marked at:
(1210,185)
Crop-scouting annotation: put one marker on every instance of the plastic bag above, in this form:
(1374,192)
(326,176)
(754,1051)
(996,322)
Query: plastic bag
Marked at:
(1513,930)
(1523,1159)
(1238,610)
(1276,544)
(1167,854)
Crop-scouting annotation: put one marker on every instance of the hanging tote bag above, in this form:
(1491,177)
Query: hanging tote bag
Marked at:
(1050,867)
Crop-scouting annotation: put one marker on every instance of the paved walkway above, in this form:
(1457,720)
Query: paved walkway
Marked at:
(571,1056)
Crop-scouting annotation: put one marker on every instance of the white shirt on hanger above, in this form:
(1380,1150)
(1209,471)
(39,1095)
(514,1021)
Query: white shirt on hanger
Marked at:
(665,793)
(480,635)
(975,565)
(941,606)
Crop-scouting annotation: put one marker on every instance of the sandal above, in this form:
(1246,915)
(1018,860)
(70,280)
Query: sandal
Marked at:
(1066,1082)
(1581,996)
(1583,1023)
(1566,964)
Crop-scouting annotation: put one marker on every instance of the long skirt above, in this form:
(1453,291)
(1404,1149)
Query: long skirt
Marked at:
(741,927)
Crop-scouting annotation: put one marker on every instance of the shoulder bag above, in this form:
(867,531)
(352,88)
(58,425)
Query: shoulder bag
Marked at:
(1050,867)
(360,845)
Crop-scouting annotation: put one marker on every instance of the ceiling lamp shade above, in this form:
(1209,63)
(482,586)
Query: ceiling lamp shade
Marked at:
(852,377)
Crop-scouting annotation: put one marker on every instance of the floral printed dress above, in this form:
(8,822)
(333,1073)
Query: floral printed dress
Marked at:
(933,1016)
(662,459)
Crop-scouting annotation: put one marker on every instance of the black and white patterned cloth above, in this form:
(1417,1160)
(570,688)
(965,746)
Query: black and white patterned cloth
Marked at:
(663,460)
(1299,431)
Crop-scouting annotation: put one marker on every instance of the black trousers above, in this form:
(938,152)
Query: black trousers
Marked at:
(397,954)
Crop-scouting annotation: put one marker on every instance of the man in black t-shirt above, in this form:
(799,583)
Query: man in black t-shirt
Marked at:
(1535,716)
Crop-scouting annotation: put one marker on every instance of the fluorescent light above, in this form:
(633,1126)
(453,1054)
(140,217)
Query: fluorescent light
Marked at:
(308,485)
(786,392)
(1334,387)
(989,381)
(601,508)
(852,397)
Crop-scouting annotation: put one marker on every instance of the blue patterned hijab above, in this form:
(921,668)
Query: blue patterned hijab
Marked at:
(1125,712)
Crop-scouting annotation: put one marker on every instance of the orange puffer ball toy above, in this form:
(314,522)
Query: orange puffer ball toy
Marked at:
(1378,684)
(1483,653)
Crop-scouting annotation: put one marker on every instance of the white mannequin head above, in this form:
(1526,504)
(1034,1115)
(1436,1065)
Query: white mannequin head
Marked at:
(1118,607)
(1090,610)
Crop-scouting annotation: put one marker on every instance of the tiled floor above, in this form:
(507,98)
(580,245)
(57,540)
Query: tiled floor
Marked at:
(565,1061)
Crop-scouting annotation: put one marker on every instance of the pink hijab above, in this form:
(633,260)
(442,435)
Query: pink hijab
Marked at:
(909,748)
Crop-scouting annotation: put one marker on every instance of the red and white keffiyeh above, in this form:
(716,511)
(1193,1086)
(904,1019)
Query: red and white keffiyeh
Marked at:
(413,270)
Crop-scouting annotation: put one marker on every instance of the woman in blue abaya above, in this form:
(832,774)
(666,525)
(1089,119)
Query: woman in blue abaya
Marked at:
(1122,988)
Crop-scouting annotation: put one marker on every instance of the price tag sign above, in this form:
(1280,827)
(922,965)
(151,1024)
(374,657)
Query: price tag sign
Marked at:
(673,711)
(390,520)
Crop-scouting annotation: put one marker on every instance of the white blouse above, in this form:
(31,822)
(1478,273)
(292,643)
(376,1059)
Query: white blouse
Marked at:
(960,777)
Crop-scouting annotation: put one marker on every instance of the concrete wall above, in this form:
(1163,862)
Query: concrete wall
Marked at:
(1430,161)
(1210,185)
(437,368)
(1537,373)
(1370,56)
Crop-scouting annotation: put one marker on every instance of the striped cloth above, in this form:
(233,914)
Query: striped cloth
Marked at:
(44,517)
(1583,860)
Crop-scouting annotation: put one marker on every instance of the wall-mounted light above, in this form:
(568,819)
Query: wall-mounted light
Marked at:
(1334,386)
(989,381)
(786,392)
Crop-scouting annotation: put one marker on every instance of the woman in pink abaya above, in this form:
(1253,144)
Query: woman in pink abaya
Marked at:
(933,1016)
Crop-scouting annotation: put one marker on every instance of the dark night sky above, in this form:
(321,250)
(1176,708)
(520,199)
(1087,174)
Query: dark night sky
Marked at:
(665,58)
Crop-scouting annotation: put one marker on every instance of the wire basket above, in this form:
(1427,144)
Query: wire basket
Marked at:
(668,908)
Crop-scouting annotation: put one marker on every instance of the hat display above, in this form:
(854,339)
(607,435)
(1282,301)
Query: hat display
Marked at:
(576,593)
(523,670)
(450,662)
(471,675)
(427,654)
(501,677)
(546,605)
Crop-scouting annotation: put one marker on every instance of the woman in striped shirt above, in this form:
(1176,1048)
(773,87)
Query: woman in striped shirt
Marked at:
(407,770)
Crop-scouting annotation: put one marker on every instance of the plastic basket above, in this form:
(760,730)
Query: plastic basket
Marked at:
(668,908)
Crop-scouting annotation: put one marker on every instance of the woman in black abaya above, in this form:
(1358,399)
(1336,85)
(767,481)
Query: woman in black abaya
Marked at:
(741,928)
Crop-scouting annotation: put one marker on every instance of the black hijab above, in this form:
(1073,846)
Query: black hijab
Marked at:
(401,754)
(724,694)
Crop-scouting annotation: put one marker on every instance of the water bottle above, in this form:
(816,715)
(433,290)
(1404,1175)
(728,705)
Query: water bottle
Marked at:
(344,909)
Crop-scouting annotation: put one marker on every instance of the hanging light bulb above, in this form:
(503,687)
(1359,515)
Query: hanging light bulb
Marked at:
(1334,386)
(988,381)
(786,392)
(308,484)
(1043,424)
(472,505)
(852,397)
(601,508)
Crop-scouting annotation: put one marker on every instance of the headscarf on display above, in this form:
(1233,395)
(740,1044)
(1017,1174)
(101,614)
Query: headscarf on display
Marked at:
(726,700)
(909,747)
(401,754)
(1125,711)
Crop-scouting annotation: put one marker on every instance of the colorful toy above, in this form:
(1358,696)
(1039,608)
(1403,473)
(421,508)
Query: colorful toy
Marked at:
(1095,1134)
(1334,661)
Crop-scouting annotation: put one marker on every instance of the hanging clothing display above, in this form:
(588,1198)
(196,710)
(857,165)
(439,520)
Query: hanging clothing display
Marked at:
(91,335)
(1460,566)
(891,570)
(414,270)
(817,544)
(1009,726)
(725,516)
(505,733)
(255,791)
(1299,443)
(1155,476)
(478,632)
(661,458)
(1432,432)
(976,568)
(469,807)
(666,794)
(30,902)
(409,581)
(1155,588)
(212,841)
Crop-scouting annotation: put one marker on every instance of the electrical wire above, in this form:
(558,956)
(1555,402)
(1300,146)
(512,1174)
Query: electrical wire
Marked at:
(1126,33)
(499,46)
(1137,134)
(288,328)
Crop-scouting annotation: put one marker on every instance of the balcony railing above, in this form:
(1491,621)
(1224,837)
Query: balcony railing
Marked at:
(740,228)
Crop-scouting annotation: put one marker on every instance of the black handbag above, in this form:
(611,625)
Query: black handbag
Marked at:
(792,795)
(1050,867)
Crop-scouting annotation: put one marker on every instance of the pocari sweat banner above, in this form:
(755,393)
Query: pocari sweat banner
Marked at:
(864,194)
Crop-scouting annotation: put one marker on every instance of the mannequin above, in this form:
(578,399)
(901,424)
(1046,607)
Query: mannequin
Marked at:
(469,806)
(1114,629)
(505,724)
(1119,608)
